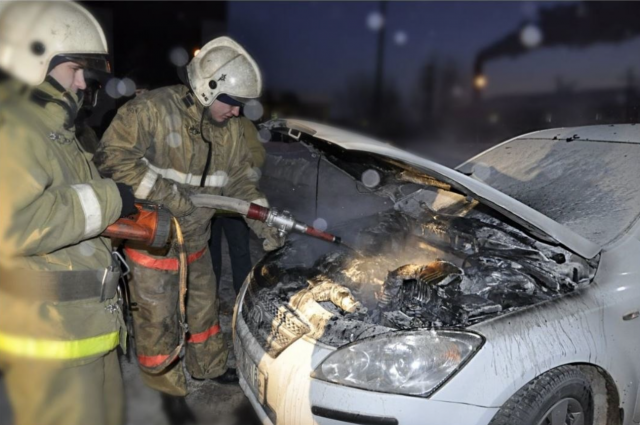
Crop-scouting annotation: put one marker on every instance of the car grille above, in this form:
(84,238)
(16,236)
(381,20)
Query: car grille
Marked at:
(271,322)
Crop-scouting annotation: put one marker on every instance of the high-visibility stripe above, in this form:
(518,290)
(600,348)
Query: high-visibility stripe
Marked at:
(91,209)
(152,361)
(145,186)
(58,350)
(217,179)
(160,263)
(203,336)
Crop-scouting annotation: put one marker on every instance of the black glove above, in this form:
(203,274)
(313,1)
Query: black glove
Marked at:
(128,200)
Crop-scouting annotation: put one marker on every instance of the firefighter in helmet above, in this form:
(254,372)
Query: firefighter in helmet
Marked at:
(168,144)
(60,320)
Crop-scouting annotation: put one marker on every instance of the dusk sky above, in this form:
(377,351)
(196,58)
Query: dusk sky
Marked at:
(313,48)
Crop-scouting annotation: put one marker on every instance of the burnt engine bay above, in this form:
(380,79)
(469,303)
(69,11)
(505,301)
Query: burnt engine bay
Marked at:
(434,260)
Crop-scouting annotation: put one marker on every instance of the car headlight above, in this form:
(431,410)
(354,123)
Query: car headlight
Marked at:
(411,363)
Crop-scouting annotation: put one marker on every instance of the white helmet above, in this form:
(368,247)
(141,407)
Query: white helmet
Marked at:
(33,33)
(223,67)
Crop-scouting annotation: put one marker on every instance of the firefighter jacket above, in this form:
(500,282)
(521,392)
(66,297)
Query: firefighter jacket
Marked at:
(256,148)
(157,143)
(54,207)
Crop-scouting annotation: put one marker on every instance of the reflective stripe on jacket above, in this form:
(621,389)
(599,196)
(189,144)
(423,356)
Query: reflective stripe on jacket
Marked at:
(33,348)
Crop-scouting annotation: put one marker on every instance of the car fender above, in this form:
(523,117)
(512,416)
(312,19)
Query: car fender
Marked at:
(583,327)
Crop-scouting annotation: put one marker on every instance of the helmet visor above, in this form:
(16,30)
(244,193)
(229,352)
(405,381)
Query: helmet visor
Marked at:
(97,63)
(230,100)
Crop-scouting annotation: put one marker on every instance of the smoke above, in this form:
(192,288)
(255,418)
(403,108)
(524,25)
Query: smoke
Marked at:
(381,243)
(577,25)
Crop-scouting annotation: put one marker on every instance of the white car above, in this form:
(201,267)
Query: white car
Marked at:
(503,292)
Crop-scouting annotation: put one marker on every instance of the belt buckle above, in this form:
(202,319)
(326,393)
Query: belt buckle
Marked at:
(109,286)
(116,267)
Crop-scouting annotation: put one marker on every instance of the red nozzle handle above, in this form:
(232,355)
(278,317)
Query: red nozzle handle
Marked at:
(312,231)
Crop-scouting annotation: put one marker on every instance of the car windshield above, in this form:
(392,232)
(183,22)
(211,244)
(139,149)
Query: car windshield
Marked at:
(589,186)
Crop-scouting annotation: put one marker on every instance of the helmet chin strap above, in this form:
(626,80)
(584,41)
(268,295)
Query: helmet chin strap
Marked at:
(71,104)
(73,107)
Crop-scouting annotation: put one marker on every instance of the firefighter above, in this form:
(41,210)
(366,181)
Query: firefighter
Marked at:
(60,320)
(167,144)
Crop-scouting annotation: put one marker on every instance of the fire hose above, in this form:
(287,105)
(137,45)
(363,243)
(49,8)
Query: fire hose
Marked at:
(152,226)
(182,257)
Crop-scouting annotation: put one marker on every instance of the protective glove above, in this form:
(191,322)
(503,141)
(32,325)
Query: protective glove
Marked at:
(179,202)
(271,239)
(128,200)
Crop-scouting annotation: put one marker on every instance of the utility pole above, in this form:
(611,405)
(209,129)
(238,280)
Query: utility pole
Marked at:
(378,79)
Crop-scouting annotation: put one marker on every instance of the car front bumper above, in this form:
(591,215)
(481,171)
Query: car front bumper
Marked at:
(283,393)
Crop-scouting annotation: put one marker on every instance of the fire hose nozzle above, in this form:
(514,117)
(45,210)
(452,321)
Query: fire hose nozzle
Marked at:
(284,222)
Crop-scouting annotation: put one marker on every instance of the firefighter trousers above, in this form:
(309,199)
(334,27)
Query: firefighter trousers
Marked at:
(46,392)
(154,287)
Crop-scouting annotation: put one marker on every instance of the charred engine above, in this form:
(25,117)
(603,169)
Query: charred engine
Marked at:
(430,258)
(414,268)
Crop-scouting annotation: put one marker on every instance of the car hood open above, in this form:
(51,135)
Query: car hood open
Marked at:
(537,223)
